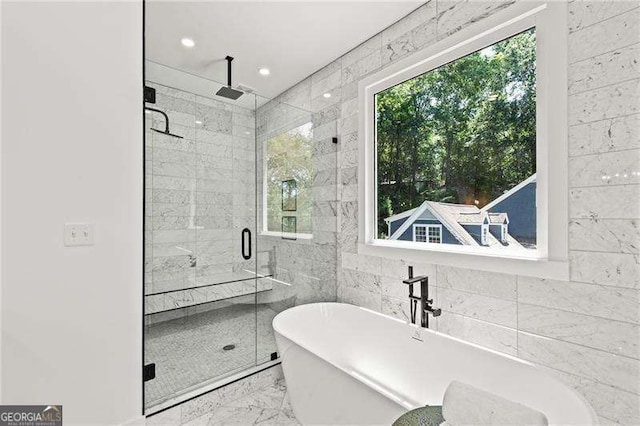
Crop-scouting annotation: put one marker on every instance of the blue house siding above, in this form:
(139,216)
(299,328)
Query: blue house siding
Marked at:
(395,225)
(447,237)
(475,231)
(496,231)
(521,208)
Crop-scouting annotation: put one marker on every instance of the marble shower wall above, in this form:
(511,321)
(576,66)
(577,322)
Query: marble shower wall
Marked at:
(200,195)
(307,266)
(587,330)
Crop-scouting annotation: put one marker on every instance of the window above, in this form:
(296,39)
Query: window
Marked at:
(485,235)
(288,178)
(453,140)
(427,233)
(435,234)
(468,133)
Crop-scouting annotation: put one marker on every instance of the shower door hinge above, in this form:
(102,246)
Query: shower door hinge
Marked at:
(149,372)
(149,94)
(274,356)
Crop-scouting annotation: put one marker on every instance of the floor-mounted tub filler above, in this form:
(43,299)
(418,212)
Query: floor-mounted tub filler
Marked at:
(349,365)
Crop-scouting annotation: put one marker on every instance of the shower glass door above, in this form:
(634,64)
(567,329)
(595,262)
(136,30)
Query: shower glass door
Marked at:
(240,221)
(200,237)
(297,210)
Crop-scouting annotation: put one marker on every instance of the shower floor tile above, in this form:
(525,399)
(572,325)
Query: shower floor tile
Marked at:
(188,351)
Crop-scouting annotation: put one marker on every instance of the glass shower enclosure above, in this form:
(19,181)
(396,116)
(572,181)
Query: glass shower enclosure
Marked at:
(231,202)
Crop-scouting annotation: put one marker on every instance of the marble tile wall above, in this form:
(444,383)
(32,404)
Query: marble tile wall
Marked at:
(307,266)
(200,194)
(585,331)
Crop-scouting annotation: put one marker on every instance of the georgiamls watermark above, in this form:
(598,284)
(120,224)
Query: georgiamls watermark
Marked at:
(30,415)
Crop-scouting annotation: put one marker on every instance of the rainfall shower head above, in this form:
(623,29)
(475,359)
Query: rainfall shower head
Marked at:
(164,132)
(166,123)
(228,91)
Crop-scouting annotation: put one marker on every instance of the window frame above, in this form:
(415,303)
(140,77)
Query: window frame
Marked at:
(439,228)
(415,228)
(550,259)
(263,199)
(426,227)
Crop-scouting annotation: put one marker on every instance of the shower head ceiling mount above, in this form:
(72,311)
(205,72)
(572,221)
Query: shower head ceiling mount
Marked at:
(228,91)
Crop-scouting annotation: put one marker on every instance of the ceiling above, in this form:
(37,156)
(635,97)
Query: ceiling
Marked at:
(293,39)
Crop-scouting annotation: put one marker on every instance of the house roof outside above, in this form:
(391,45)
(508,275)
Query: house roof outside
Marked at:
(449,215)
(401,215)
(498,218)
(454,216)
(472,218)
(445,213)
(512,243)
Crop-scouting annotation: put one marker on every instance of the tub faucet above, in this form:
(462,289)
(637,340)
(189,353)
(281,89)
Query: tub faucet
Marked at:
(426,304)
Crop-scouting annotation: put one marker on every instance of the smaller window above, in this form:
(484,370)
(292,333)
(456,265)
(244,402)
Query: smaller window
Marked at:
(505,230)
(485,232)
(435,234)
(288,182)
(427,234)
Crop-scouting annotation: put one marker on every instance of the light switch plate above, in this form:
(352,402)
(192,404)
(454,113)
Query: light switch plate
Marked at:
(78,234)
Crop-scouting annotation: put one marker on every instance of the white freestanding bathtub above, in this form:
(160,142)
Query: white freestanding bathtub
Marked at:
(349,365)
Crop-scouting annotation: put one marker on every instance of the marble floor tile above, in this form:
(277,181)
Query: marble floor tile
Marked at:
(237,416)
(271,397)
(265,406)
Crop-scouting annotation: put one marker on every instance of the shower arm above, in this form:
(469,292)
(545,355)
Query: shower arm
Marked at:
(166,117)
(229,59)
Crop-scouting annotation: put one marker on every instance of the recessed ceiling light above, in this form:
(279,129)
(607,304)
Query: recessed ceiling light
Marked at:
(327,95)
(187,42)
(198,122)
(264,71)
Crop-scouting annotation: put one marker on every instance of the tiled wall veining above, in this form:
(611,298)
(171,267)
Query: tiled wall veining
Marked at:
(201,192)
(307,266)
(200,195)
(587,330)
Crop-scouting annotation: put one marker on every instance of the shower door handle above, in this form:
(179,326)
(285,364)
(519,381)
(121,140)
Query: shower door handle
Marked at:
(246,243)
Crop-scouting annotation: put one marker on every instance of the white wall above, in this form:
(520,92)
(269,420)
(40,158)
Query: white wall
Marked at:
(72,152)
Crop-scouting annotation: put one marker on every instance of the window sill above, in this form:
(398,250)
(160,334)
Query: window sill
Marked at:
(530,266)
(286,235)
